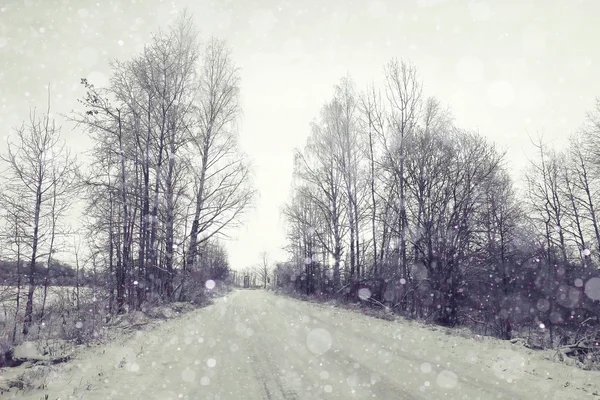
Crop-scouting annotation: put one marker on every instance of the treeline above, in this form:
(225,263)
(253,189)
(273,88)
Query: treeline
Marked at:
(165,178)
(394,204)
(257,276)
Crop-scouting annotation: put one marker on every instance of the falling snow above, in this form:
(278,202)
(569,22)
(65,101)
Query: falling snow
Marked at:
(501,70)
(210,284)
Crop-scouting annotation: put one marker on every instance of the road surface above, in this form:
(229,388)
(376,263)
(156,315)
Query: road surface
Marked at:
(256,345)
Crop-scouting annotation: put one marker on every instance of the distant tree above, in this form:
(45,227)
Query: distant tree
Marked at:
(264,268)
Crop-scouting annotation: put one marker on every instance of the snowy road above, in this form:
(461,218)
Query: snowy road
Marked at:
(255,345)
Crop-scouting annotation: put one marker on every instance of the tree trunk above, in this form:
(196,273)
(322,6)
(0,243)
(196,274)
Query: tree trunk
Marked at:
(111,255)
(359,271)
(145,273)
(18,299)
(34,248)
(124,267)
(49,261)
(77,279)
(373,205)
(192,247)
(153,224)
(403,223)
(170,220)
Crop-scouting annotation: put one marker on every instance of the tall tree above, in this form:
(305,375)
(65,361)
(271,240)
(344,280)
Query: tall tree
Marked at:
(221,191)
(403,91)
(341,117)
(317,167)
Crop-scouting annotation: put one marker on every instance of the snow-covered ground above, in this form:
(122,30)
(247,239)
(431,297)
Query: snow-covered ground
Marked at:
(256,345)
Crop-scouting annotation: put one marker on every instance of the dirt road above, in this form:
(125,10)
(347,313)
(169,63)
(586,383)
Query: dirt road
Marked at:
(255,345)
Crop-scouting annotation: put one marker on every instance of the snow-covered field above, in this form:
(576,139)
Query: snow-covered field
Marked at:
(256,345)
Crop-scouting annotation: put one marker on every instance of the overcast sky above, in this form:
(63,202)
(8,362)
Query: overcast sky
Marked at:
(506,68)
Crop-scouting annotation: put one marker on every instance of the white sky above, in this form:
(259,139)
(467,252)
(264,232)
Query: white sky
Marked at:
(506,68)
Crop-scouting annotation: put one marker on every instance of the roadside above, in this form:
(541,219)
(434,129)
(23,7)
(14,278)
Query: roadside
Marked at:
(254,345)
(563,355)
(509,362)
(32,364)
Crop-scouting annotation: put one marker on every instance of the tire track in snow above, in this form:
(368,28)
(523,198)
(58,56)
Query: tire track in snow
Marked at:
(264,365)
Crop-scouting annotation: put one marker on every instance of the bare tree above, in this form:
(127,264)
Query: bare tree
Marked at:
(502,221)
(41,171)
(109,126)
(14,240)
(585,179)
(62,196)
(372,121)
(341,116)
(403,91)
(221,190)
(317,167)
(550,215)
(303,217)
(264,268)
